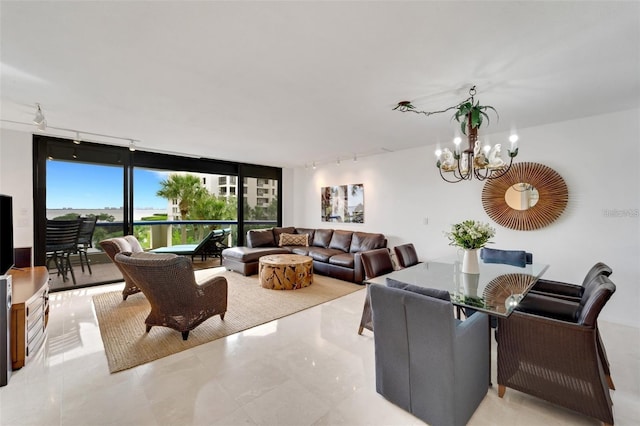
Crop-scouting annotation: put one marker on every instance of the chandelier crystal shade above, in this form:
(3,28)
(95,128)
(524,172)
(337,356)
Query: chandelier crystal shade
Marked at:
(479,160)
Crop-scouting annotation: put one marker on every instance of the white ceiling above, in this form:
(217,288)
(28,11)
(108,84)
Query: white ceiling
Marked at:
(289,83)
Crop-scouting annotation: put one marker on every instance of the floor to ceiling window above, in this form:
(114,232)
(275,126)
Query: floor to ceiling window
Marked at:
(163,200)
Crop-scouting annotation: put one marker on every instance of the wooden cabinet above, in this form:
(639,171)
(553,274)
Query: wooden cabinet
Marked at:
(29,312)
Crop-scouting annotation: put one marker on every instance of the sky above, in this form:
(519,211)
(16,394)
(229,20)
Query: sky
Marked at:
(73,185)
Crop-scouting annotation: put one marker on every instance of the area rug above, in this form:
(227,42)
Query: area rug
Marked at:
(123,330)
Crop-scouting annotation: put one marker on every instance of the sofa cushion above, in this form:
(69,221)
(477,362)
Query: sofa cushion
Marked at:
(303,251)
(323,254)
(293,240)
(322,237)
(432,292)
(246,254)
(344,259)
(364,241)
(341,240)
(277,231)
(308,231)
(260,238)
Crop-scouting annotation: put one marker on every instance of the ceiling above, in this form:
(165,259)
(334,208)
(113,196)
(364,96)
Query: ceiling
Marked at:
(291,83)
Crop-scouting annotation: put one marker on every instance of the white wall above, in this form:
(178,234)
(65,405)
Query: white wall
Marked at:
(598,157)
(16,179)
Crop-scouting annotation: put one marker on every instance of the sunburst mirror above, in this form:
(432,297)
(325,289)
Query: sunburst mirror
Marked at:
(529,196)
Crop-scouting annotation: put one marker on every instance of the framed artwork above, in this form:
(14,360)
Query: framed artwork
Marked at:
(342,203)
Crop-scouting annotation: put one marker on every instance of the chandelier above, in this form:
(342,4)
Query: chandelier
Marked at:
(480,160)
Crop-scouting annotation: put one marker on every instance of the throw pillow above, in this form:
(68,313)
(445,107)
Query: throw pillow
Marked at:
(426,291)
(294,240)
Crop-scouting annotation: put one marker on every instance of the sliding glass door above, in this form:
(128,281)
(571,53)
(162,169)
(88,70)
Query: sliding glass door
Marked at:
(163,200)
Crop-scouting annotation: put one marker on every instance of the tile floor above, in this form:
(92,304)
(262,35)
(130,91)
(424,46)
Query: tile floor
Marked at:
(310,368)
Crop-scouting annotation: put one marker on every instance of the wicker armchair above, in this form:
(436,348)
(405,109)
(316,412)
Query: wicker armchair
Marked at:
(169,284)
(564,301)
(555,360)
(113,246)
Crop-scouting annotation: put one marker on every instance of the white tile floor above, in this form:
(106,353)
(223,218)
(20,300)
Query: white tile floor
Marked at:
(311,368)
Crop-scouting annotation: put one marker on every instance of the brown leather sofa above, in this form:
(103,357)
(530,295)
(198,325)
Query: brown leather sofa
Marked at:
(335,253)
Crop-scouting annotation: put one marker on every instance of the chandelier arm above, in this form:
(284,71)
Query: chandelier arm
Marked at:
(448,180)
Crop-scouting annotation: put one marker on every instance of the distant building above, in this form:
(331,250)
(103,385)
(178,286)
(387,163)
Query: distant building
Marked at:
(257,191)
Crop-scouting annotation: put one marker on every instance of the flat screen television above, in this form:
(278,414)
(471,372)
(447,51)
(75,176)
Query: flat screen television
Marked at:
(6,234)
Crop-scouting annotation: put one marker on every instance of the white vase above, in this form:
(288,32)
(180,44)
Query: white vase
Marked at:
(470,284)
(470,262)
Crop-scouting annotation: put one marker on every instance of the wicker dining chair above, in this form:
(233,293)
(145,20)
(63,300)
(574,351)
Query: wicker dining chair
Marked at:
(556,360)
(564,301)
(177,300)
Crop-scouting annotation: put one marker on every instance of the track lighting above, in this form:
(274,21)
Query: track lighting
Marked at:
(39,119)
(132,145)
(77,140)
(313,166)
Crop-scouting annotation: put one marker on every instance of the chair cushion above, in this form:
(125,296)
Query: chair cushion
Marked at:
(425,291)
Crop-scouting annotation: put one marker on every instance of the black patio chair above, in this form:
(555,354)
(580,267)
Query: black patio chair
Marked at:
(61,240)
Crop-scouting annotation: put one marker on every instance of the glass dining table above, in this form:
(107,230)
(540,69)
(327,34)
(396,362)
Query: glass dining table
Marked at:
(496,290)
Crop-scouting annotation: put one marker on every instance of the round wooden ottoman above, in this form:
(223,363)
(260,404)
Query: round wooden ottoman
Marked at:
(285,271)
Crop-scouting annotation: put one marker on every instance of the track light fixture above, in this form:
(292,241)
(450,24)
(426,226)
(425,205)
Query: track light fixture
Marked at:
(313,166)
(39,118)
(77,140)
(132,145)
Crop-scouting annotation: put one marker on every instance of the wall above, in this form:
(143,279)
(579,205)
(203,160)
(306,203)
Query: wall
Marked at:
(597,156)
(16,180)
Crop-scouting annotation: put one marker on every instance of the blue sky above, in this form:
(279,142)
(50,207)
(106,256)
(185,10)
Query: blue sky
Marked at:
(89,186)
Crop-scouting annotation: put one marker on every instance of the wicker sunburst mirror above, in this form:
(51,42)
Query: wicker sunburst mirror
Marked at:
(540,192)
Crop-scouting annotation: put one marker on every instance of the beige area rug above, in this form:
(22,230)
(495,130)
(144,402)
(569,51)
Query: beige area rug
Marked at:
(123,330)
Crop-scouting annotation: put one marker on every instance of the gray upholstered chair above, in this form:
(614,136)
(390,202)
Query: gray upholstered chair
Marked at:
(113,246)
(177,300)
(427,362)
(558,360)
(375,263)
(406,255)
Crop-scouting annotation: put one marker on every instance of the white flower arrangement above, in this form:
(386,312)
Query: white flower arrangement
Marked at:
(470,234)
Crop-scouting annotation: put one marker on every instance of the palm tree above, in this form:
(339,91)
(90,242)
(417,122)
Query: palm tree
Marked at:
(211,207)
(187,189)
